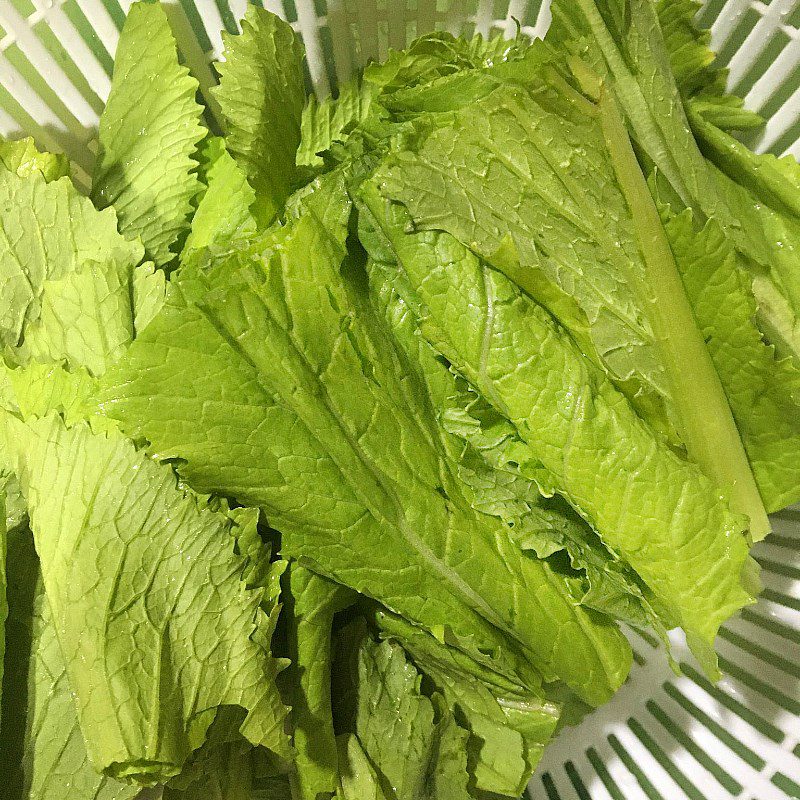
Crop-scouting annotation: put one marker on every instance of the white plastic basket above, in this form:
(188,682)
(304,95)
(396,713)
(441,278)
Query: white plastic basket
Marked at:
(662,737)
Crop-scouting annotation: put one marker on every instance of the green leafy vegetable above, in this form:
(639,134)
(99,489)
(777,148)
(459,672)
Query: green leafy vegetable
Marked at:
(413,744)
(331,121)
(625,45)
(752,198)
(334,447)
(222,769)
(128,562)
(508,725)
(760,189)
(700,80)
(631,52)
(148,134)
(762,389)
(774,181)
(571,416)
(13,503)
(535,201)
(312,602)
(37,389)
(23,158)
(64,256)
(358,778)
(42,744)
(261,95)
(500,475)
(309,312)
(714,442)
(223,213)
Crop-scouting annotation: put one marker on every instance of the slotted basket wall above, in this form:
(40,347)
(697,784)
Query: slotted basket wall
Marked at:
(662,737)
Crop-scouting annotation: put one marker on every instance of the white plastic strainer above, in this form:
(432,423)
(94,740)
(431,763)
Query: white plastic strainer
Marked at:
(661,738)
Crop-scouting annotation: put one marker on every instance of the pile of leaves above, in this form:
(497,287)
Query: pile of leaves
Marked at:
(335,449)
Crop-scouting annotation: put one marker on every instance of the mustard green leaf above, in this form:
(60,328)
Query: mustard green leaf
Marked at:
(149,131)
(22,157)
(509,173)
(261,95)
(339,440)
(332,120)
(37,389)
(700,79)
(499,473)
(763,390)
(358,778)
(411,740)
(54,239)
(156,616)
(222,769)
(508,726)
(630,54)
(658,511)
(15,509)
(42,744)
(223,212)
(310,604)
(627,49)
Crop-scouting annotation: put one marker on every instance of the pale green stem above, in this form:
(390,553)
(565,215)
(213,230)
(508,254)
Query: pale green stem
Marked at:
(705,421)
